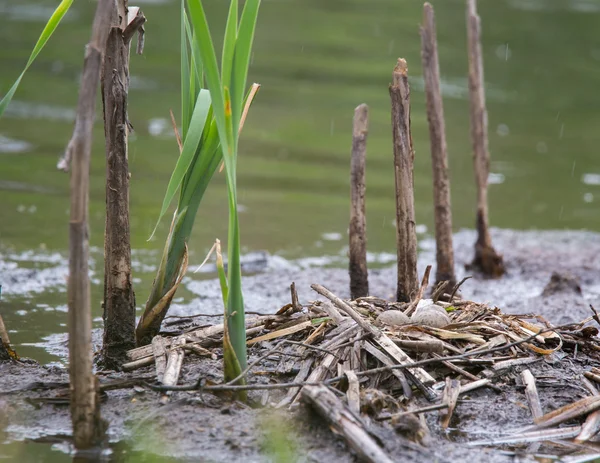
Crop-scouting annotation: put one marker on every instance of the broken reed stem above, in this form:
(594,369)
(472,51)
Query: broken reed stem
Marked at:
(486,259)
(535,407)
(406,236)
(119,298)
(424,283)
(359,278)
(439,150)
(88,427)
(366,326)
(449,397)
(4,342)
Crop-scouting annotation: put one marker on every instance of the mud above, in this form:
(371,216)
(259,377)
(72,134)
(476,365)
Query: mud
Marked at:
(193,427)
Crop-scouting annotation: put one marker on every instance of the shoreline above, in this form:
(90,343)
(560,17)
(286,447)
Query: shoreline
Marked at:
(531,258)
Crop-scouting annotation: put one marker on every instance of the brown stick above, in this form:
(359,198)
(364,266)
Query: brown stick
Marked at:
(374,371)
(424,283)
(85,406)
(359,278)
(439,150)
(450,396)
(406,236)
(486,259)
(119,298)
(568,412)
(4,342)
(366,326)
(345,423)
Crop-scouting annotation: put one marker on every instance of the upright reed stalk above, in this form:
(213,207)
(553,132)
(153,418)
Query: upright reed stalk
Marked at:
(211,122)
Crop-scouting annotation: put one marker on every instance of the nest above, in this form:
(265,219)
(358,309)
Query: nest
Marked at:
(353,361)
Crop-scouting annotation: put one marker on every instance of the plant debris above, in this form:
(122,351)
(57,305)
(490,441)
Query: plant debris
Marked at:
(393,372)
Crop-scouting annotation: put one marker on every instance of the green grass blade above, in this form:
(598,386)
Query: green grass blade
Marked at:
(196,58)
(187,108)
(231,365)
(241,64)
(211,70)
(229,158)
(229,43)
(204,166)
(190,146)
(51,26)
(235,300)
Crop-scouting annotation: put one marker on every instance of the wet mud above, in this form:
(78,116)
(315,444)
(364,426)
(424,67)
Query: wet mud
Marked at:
(553,274)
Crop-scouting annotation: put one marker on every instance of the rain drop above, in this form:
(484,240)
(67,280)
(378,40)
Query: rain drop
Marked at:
(541,147)
(502,130)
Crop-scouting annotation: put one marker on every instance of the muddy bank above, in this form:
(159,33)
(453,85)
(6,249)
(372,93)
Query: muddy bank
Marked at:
(195,427)
(205,427)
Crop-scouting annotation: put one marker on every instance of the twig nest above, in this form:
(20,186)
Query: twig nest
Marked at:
(392,318)
(431,315)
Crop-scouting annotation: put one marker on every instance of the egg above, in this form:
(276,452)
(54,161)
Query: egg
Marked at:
(431,315)
(392,318)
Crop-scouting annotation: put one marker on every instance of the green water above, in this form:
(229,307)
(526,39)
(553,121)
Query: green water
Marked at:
(316,60)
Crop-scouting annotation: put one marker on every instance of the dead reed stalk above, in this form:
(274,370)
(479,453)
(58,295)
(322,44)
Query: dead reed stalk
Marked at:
(439,150)
(406,236)
(119,298)
(88,428)
(4,342)
(359,277)
(486,258)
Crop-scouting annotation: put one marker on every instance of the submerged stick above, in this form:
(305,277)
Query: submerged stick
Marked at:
(119,299)
(88,427)
(486,259)
(406,236)
(359,278)
(439,150)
